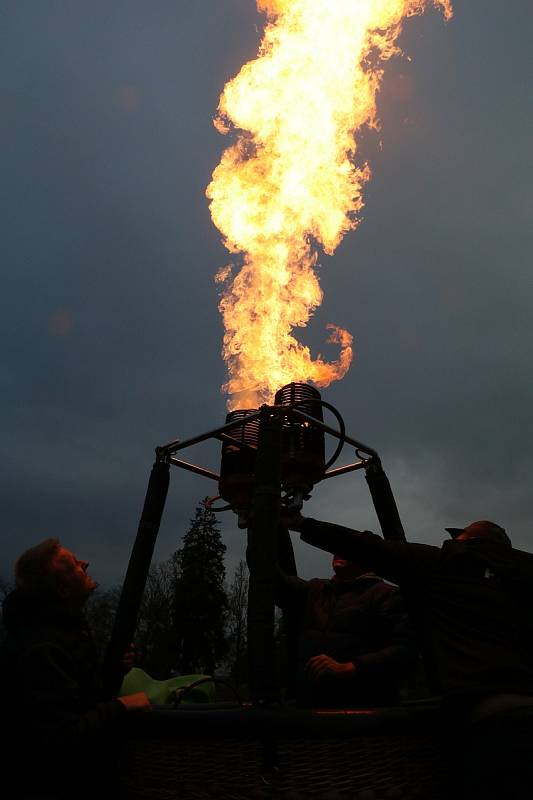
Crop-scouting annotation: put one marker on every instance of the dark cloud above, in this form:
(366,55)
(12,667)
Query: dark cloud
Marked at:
(109,317)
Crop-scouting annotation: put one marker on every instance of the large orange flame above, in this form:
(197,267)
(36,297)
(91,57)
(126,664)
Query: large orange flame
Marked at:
(289,185)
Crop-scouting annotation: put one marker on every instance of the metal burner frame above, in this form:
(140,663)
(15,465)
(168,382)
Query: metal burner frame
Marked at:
(262,547)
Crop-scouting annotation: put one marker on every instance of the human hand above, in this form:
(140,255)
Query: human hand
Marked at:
(136,702)
(323,666)
(128,657)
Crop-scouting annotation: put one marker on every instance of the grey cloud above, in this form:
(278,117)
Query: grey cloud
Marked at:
(106,148)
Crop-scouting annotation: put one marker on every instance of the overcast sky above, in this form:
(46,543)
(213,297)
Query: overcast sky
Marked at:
(110,331)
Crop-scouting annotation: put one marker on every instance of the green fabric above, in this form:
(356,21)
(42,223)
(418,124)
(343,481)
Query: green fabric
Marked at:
(163,692)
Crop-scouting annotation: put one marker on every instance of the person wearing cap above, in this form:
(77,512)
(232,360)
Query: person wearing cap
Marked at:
(354,642)
(471,601)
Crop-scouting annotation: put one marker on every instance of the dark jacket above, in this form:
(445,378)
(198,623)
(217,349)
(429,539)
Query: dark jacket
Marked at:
(60,722)
(471,601)
(362,621)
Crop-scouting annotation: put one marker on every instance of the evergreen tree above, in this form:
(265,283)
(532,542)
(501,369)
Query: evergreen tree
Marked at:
(200,599)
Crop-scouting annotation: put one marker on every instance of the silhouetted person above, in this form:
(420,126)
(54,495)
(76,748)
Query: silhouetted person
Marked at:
(63,733)
(354,640)
(472,602)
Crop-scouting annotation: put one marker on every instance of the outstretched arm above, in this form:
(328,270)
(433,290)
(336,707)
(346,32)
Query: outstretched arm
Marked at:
(400,562)
(57,705)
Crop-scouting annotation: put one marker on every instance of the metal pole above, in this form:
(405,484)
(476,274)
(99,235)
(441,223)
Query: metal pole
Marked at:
(205,473)
(261,555)
(384,502)
(287,564)
(295,412)
(136,575)
(218,433)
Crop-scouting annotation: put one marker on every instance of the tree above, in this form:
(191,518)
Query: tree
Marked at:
(5,589)
(200,599)
(154,637)
(100,614)
(237,611)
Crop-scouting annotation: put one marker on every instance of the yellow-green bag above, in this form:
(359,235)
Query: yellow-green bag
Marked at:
(167,692)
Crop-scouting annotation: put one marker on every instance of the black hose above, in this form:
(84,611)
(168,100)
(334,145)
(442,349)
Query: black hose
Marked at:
(181,693)
(342,427)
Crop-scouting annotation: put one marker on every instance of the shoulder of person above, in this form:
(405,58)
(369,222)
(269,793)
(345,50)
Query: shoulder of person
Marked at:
(317,584)
(378,587)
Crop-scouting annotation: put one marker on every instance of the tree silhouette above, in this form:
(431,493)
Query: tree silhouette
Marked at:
(238,604)
(100,613)
(154,637)
(200,599)
(5,588)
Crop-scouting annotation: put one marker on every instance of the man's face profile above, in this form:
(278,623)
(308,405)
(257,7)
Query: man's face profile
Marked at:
(74,582)
(345,570)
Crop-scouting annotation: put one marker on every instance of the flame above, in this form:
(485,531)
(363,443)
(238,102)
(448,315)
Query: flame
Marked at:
(289,185)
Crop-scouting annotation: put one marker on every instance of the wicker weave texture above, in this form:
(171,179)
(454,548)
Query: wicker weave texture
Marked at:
(359,768)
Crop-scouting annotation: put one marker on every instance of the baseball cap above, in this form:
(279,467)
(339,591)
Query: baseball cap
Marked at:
(482,529)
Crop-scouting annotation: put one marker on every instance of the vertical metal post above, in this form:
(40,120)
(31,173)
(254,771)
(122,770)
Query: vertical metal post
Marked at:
(287,564)
(384,502)
(261,555)
(136,575)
